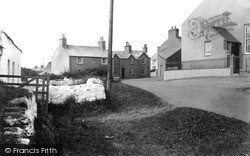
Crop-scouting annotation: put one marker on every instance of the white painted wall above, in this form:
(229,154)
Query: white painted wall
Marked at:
(12,54)
(182,74)
(60,61)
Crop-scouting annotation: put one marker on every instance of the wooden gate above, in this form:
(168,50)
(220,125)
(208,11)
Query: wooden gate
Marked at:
(36,82)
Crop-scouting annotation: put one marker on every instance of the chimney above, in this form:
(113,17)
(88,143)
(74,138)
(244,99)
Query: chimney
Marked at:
(128,48)
(102,44)
(63,41)
(173,32)
(145,48)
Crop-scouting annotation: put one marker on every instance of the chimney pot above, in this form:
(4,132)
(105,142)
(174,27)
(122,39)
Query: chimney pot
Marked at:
(145,48)
(63,41)
(102,44)
(128,47)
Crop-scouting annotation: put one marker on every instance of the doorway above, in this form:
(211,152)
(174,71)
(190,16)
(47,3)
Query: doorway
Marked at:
(236,51)
(123,73)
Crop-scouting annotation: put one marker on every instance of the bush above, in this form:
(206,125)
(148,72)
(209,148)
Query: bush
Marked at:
(100,71)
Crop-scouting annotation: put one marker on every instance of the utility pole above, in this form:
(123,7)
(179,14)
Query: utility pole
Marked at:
(109,75)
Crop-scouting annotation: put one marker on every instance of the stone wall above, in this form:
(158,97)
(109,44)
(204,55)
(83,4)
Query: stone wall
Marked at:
(18,118)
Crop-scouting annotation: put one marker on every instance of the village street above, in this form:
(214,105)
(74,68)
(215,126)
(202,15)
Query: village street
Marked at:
(217,95)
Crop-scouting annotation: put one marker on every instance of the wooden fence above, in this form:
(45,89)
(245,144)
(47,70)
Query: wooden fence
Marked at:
(40,81)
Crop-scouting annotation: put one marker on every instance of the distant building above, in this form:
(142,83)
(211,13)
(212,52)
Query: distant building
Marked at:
(39,69)
(169,53)
(154,65)
(131,63)
(216,30)
(77,58)
(10,57)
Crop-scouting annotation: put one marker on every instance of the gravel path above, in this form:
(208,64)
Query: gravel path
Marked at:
(215,94)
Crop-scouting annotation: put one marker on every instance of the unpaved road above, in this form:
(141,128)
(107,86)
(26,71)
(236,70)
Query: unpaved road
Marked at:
(215,94)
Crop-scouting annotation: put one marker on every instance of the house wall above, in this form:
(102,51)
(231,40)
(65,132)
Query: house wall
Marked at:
(88,62)
(182,74)
(161,66)
(125,63)
(13,54)
(142,66)
(60,61)
(173,43)
(195,32)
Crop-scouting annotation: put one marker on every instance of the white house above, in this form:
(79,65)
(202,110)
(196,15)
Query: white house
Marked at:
(154,64)
(10,57)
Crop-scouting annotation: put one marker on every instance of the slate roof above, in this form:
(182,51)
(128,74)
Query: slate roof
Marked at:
(155,56)
(225,34)
(169,52)
(10,40)
(125,55)
(86,51)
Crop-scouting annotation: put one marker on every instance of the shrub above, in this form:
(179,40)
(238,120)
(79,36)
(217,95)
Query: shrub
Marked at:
(100,71)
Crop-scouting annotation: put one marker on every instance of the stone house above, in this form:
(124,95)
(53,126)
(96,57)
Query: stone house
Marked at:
(215,31)
(77,58)
(131,63)
(169,53)
(10,57)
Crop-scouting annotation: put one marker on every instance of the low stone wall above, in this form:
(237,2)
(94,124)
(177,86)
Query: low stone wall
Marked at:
(18,120)
(182,74)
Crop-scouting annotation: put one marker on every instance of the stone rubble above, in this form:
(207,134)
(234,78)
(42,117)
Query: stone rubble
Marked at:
(91,91)
(18,120)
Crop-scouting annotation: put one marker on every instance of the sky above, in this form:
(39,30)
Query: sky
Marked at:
(36,25)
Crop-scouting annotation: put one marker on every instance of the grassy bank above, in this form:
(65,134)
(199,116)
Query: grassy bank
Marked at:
(108,127)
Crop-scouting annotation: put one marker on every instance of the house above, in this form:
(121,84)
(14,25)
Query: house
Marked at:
(214,32)
(130,63)
(169,53)
(154,65)
(77,58)
(154,61)
(10,57)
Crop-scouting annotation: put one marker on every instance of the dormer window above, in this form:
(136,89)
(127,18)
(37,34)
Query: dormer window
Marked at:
(131,60)
(143,61)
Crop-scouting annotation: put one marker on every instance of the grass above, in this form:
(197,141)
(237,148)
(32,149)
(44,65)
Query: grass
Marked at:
(87,129)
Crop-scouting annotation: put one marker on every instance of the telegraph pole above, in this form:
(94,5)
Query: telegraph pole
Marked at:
(109,75)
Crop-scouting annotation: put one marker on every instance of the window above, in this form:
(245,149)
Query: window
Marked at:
(208,48)
(116,60)
(131,71)
(79,60)
(154,62)
(143,70)
(131,60)
(143,61)
(154,67)
(247,38)
(227,45)
(104,61)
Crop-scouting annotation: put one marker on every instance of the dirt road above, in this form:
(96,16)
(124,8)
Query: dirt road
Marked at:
(217,95)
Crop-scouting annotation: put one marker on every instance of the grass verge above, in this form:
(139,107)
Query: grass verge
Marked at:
(181,131)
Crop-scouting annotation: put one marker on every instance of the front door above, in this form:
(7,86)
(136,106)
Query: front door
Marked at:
(123,73)
(236,51)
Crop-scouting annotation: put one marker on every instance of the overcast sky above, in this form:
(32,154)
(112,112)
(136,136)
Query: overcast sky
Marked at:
(36,25)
